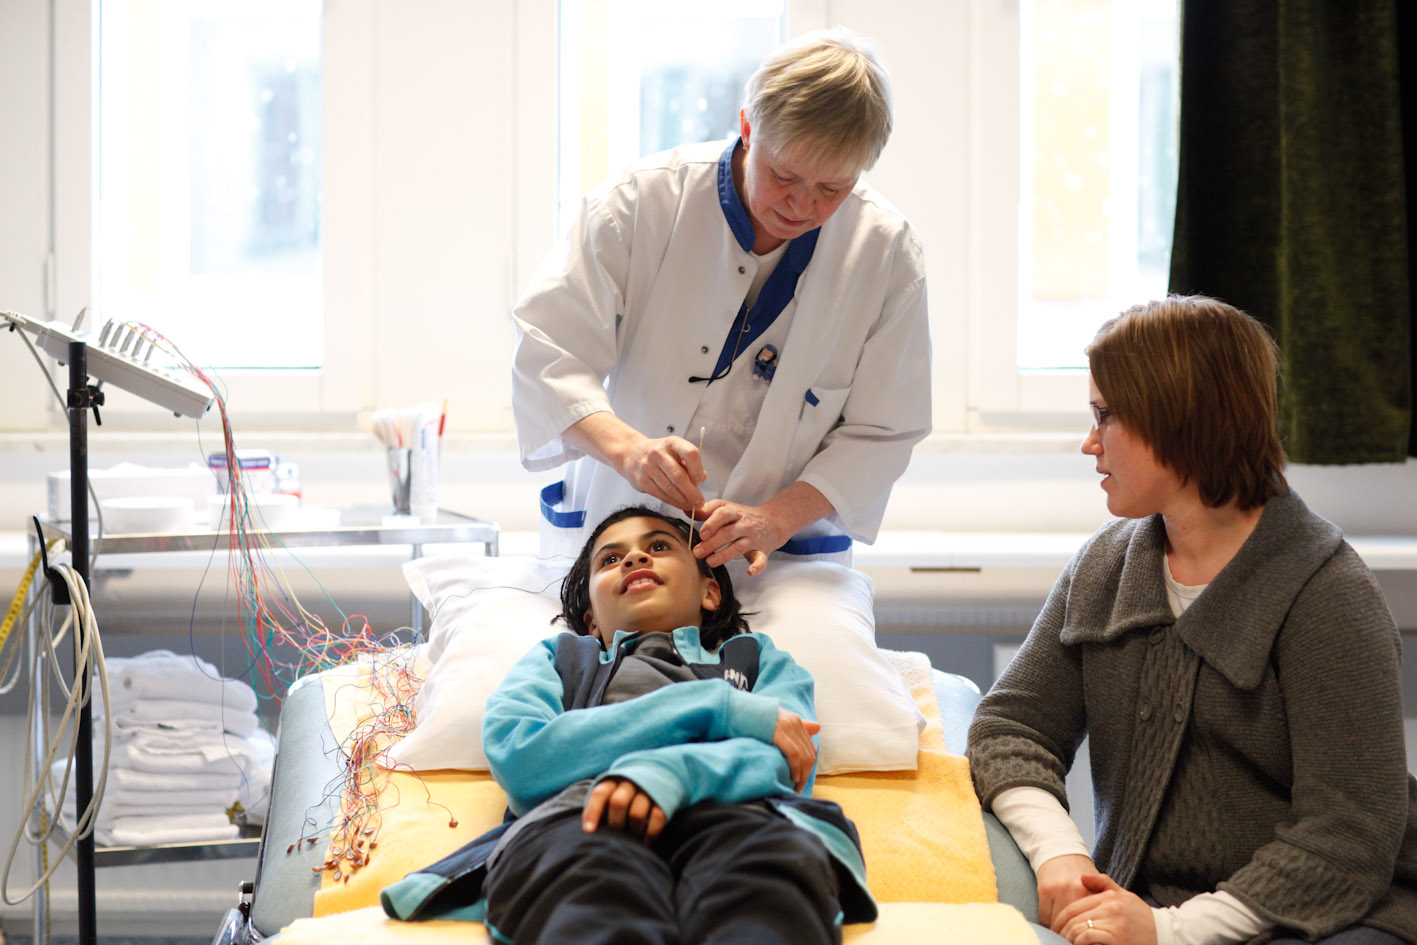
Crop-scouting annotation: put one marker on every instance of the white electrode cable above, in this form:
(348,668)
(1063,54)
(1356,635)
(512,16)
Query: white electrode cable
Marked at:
(90,663)
(40,796)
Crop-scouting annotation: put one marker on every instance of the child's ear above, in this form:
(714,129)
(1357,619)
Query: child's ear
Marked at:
(713,595)
(589,620)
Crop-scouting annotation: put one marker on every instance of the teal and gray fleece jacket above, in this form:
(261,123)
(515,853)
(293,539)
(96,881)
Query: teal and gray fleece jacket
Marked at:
(685,723)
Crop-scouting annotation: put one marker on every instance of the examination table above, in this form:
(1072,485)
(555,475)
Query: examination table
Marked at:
(305,802)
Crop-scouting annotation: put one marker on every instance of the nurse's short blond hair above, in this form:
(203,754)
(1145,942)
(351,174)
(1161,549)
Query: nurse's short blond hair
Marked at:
(824,96)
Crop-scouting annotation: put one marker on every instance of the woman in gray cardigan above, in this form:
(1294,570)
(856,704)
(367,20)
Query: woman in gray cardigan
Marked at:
(1233,663)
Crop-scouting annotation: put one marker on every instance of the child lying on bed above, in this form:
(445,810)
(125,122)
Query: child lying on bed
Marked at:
(673,803)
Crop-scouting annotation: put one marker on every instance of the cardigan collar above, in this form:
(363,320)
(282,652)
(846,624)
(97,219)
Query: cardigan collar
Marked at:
(1232,625)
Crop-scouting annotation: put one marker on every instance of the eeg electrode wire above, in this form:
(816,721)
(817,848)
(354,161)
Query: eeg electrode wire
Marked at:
(271,616)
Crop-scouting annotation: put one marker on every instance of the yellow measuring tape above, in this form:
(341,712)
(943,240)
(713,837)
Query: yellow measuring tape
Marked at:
(18,604)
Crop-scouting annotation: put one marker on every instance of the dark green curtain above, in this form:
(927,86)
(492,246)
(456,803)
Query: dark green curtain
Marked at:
(1297,156)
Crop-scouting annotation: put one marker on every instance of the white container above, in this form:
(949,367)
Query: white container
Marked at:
(130,480)
(146,515)
(257,468)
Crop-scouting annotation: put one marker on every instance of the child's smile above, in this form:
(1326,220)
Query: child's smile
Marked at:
(640,579)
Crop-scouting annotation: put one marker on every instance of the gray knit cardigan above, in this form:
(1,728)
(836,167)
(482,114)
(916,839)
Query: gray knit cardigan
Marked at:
(1253,745)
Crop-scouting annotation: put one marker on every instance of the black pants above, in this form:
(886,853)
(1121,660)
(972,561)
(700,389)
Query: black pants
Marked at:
(717,873)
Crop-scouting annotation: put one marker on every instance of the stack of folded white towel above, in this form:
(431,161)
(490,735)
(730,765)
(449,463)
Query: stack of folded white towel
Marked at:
(187,748)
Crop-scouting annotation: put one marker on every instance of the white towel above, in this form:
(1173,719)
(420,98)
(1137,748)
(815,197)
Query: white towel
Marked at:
(131,788)
(237,771)
(159,711)
(141,831)
(170,734)
(143,749)
(162,674)
(253,796)
(111,813)
(129,779)
(207,800)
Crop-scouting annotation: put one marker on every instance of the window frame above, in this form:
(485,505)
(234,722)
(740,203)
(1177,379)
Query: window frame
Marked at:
(297,395)
(1004,397)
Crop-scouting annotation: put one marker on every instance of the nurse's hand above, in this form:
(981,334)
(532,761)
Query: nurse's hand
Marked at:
(731,530)
(669,468)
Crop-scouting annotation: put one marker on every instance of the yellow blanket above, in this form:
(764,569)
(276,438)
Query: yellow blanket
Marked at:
(927,858)
(921,831)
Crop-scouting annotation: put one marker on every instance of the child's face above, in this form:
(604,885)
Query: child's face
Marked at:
(643,578)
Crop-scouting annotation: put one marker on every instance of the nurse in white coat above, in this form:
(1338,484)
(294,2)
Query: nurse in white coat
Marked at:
(755,298)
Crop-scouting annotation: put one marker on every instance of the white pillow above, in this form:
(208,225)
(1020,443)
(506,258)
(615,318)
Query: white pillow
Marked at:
(821,613)
(488,612)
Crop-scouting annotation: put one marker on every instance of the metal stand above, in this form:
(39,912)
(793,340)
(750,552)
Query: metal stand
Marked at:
(81,398)
(177,392)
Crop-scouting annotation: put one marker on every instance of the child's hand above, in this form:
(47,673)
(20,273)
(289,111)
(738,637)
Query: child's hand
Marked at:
(624,806)
(793,737)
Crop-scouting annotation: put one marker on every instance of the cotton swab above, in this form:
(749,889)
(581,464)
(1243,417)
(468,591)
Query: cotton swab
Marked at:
(692,520)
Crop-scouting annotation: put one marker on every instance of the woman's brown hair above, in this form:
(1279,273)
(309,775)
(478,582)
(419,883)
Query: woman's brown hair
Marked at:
(1197,380)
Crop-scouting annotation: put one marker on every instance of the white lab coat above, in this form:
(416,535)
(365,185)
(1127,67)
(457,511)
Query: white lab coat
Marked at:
(640,296)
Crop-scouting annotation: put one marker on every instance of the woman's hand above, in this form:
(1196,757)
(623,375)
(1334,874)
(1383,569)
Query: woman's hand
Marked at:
(669,468)
(793,737)
(1060,883)
(623,805)
(730,530)
(1107,914)
(753,532)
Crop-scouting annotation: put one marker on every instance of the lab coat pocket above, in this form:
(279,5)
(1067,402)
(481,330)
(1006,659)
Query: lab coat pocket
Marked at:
(821,409)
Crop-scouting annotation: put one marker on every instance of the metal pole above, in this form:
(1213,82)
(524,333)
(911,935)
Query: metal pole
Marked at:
(40,731)
(79,546)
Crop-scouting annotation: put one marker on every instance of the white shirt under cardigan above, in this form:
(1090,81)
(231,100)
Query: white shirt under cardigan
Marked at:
(641,296)
(1043,830)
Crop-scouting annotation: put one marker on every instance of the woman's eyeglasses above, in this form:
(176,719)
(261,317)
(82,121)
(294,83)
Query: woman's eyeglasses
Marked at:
(1100,415)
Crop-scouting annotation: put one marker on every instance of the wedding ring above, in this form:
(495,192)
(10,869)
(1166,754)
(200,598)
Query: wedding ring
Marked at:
(1089,923)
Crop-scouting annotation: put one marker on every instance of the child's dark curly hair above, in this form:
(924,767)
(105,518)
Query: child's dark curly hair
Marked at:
(715,625)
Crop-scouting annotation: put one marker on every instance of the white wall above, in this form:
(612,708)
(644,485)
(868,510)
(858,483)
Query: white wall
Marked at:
(24,195)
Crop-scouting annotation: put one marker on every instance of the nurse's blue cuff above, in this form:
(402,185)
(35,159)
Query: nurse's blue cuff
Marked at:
(552,496)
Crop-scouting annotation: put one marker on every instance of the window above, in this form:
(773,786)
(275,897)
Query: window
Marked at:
(640,76)
(1099,111)
(1073,144)
(208,217)
(455,135)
